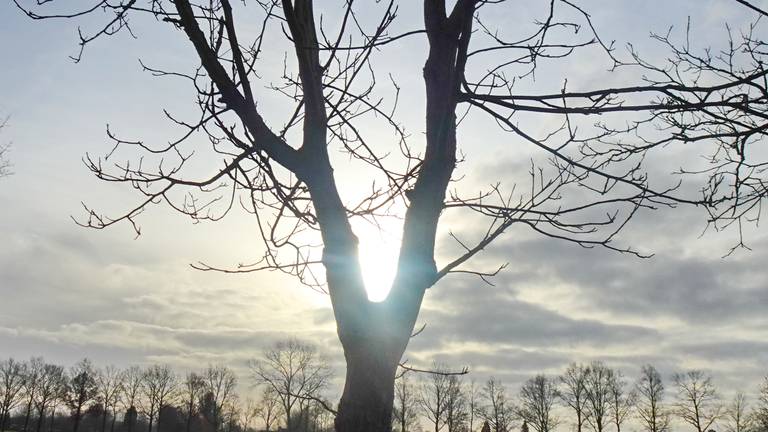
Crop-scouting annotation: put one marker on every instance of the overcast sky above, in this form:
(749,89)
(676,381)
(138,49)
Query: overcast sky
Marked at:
(68,292)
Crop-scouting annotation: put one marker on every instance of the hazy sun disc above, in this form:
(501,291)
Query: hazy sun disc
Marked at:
(378,251)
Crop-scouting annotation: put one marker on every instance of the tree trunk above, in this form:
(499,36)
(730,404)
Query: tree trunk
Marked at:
(366,404)
(114,417)
(76,423)
(40,419)
(189,418)
(53,418)
(26,417)
(104,420)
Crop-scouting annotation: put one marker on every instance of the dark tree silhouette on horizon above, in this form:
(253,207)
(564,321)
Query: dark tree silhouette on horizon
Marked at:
(591,181)
(81,389)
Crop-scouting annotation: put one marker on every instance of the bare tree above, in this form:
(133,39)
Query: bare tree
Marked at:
(737,415)
(51,388)
(11,388)
(433,396)
(473,403)
(133,379)
(573,392)
(760,414)
(32,374)
(287,177)
(406,406)
(621,399)
(537,398)
(456,414)
(650,400)
(497,411)
(295,371)
(249,412)
(109,382)
(597,386)
(192,390)
(269,407)
(81,389)
(230,414)
(220,382)
(697,402)
(158,387)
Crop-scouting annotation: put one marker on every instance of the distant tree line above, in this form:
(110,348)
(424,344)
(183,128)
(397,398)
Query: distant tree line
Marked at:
(599,399)
(37,396)
(292,377)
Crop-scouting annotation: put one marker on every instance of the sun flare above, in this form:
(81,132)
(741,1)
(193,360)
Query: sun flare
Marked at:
(378,250)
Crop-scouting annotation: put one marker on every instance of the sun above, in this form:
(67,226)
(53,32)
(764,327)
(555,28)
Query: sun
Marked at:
(378,251)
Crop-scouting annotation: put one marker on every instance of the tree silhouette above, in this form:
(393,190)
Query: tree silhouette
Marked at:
(573,392)
(219,382)
(650,400)
(131,392)
(11,387)
(406,406)
(158,387)
(81,389)
(590,182)
(537,399)
(761,411)
(296,373)
(737,415)
(697,402)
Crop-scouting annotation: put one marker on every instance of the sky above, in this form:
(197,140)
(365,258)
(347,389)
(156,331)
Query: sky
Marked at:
(67,292)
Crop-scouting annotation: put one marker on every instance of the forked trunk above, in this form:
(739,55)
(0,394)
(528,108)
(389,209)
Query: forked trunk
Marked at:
(366,404)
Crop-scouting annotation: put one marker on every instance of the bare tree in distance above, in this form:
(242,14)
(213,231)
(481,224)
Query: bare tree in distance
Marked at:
(760,414)
(249,412)
(11,388)
(498,410)
(296,372)
(269,407)
(133,379)
(108,383)
(51,388)
(158,387)
(433,396)
(80,389)
(220,381)
(573,392)
(536,401)
(456,414)
(192,389)
(621,399)
(406,406)
(593,180)
(737,415)
(597,389)
(230,415)
(32,374)
(650,400)
(473,403)
(697,401)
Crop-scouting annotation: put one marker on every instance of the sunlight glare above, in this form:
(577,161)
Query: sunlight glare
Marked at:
(378,250)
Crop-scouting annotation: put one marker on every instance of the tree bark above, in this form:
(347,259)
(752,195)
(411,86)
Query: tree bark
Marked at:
(367,401)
